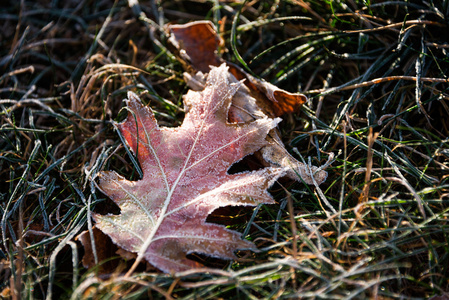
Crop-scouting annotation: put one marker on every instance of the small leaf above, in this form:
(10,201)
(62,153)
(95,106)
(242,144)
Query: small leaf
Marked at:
(196,44)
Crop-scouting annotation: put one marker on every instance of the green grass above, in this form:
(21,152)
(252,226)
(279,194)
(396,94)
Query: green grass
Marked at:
(376,78)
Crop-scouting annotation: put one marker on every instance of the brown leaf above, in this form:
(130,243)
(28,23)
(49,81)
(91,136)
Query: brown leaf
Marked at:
(196,43)
(105,249)
(272,100)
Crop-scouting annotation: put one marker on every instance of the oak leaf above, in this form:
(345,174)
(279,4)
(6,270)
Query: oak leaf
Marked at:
(163,215)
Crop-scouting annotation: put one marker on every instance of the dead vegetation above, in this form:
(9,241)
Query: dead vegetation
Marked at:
(377,80)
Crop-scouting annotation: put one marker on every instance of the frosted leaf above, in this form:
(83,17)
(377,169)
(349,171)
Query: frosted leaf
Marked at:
(163,215)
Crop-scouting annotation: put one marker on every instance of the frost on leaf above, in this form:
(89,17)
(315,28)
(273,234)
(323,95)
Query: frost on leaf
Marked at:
(185,178)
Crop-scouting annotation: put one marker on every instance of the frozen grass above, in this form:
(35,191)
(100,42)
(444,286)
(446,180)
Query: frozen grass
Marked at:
(376,78)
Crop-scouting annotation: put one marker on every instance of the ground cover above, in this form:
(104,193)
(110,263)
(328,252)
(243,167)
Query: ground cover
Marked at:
(375,75)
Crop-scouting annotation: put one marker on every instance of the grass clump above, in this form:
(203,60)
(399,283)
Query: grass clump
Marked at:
(375,74)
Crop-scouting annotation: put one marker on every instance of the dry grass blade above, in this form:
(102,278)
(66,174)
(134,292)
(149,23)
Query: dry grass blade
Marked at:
(369,165)
(377,81)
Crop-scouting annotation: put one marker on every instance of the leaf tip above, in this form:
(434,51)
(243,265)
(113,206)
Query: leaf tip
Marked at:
(132,97)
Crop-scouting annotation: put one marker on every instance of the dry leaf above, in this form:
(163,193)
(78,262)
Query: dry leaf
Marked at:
(196,45)
(258,100)
(200,50)
(103,248)
(185,178)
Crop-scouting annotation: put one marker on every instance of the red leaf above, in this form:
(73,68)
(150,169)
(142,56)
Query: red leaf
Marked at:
(185,178)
